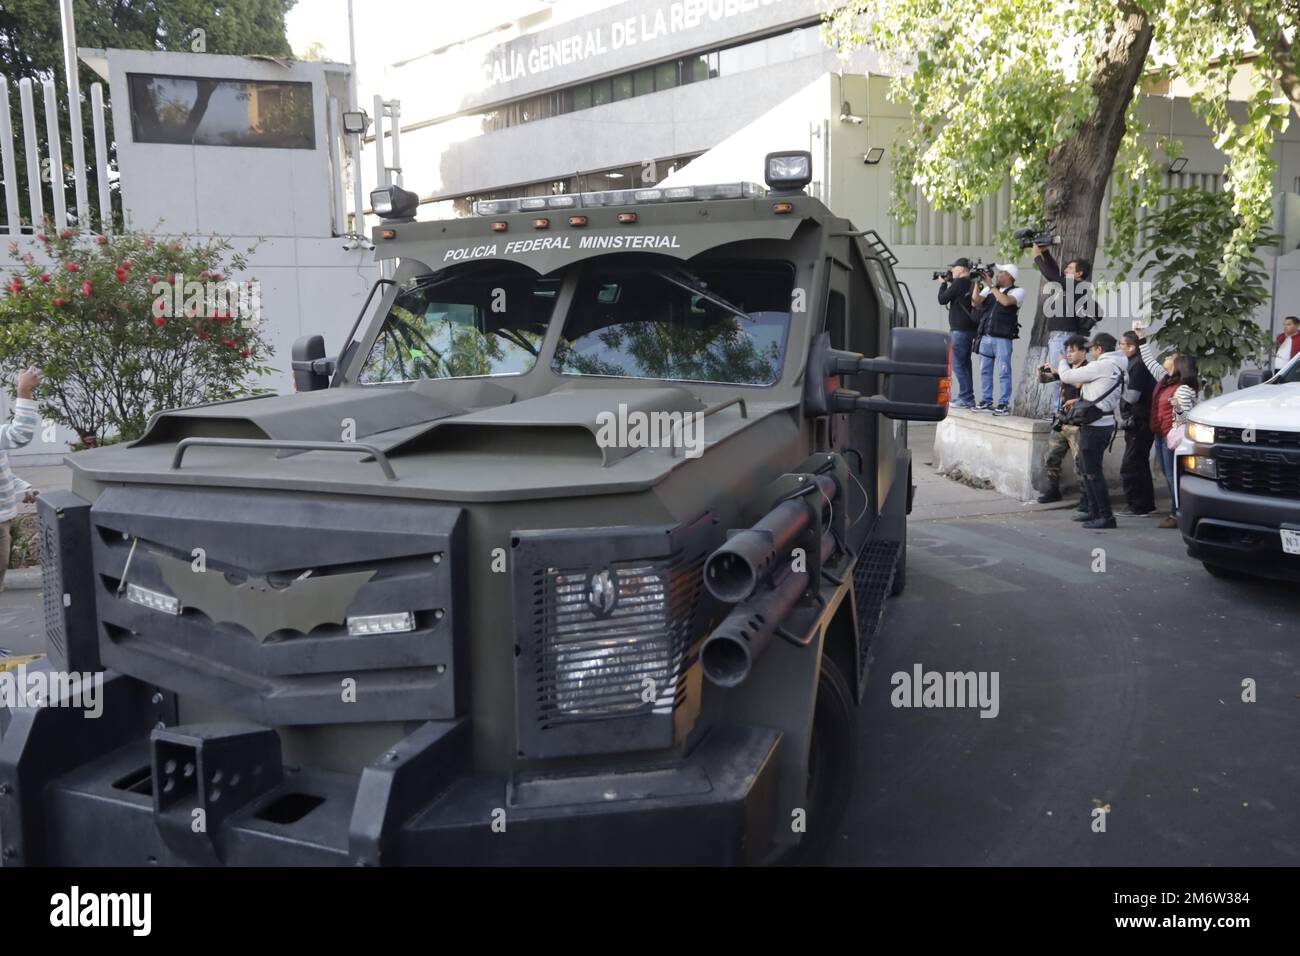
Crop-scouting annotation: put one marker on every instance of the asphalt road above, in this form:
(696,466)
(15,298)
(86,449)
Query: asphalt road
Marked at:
(1119,689)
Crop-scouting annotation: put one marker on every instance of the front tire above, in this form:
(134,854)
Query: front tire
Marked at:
(832,762)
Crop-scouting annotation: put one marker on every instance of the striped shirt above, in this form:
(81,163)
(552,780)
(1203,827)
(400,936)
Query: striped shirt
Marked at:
(1184,396)
(16,434)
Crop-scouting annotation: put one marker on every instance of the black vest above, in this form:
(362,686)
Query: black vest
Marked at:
(998,320)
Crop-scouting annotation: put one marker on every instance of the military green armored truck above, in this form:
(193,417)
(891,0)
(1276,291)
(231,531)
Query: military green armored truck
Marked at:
(572,552)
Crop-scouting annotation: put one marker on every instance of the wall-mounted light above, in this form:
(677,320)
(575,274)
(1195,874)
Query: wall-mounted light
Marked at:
(1177,165)
(356,122)
(873,155)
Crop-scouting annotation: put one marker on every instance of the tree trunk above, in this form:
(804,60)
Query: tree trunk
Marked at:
(1077,173)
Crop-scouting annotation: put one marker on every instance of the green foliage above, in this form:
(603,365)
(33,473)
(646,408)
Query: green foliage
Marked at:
(1204,315)
(99,318)
(999,86)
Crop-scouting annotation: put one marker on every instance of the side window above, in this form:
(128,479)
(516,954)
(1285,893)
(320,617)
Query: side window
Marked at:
(880,278)
(835,321)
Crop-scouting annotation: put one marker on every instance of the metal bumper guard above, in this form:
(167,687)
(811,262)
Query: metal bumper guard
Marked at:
(125,790)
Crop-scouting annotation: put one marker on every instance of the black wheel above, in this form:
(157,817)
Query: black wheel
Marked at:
(1227,574)
(832,760)
(900,570)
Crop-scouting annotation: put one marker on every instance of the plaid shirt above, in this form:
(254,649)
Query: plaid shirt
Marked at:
(16,434)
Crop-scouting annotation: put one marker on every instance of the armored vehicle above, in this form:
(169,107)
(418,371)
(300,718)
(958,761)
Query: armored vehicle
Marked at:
(572,552)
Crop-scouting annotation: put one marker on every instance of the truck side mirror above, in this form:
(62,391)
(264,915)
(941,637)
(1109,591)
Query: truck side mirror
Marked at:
(311,369)
(918,370)
(1250,376)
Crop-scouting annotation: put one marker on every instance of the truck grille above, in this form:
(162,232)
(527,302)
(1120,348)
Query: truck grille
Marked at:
(1264,439)
(608,623)
(1277,480)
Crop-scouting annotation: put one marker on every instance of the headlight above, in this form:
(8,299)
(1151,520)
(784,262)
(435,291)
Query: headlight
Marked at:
(1200,465)
(1200,433)
(612,642)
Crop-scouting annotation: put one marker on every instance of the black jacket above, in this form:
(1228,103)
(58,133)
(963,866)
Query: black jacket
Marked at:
(1141,380)
(1064,317)
(956,296)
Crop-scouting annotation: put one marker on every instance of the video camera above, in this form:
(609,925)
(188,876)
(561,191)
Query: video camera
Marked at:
(976,270)
(1042,235)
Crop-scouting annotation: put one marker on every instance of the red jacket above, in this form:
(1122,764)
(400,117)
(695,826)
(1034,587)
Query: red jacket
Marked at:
(1295,344)
(1162,411)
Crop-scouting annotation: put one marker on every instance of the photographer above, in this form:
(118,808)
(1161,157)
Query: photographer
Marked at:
(955,293)
(998,307)
(1101,384)
(1070,309)
(1135,414)
(1065,438)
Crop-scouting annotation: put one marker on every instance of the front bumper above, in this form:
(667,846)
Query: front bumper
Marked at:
(1236,530)
(75,791)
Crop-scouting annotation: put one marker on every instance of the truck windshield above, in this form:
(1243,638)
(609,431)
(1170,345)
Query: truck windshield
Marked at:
(648,317)
(483,321)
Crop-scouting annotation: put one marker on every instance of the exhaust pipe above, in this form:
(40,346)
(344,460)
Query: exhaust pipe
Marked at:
(734,571)
(729,653)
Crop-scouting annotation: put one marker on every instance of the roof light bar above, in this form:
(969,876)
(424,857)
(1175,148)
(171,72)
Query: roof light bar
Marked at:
(618,197)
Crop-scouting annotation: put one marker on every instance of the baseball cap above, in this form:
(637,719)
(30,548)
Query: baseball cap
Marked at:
(963,262)
(1010,269)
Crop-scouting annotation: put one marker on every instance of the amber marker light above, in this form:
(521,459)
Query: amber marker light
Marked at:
(627,218)
(500,227)
(388,234)
(541,223)
(577,220)
(781,208)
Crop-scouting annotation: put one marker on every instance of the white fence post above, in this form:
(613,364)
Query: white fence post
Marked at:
(101,159)
(10,166)
(333,131)
(37,205)
(74,113)
(54,149)
(381,173)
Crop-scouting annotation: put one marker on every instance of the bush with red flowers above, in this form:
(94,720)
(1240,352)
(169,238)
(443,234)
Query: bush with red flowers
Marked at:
(112,346)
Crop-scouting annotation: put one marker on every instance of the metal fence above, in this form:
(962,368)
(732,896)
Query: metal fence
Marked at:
(23,204)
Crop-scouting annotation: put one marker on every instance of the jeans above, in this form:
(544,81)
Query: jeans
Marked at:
(1093,440)
(961,366)
(1135,472)
(1000,352)
(1056,352)
(1165,456)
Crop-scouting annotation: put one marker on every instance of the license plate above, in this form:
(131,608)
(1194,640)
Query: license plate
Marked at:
(1291,541)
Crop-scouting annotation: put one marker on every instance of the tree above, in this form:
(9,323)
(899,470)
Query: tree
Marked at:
(1203,314)
(31,40)
(1046,94)
(124,326)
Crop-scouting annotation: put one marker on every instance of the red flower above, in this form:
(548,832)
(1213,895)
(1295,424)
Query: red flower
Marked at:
(160,321)
(65,233)
(176,247)
(153,278)
(45,277)
(128,264)
(229,343)
(16,286)
(203,336)
(245,353)
(121,274)
(214,276)
(73,267)
(42,237)
(203,276)
(87,288)
(101,239)
(60,302)
(171,278)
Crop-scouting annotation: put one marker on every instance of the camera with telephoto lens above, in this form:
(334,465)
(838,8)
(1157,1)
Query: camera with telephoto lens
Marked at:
(945,275)
(984,270)
(1042,235)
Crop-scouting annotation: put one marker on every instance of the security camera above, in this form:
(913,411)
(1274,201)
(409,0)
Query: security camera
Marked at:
(850,118)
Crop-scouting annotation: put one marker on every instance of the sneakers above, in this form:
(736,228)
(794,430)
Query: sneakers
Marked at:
(1001,410)
(1095,524)
(1047,497)
(962,403)
(983,407)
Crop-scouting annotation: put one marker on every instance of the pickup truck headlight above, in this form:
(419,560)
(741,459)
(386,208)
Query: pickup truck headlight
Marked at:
(1204,434)
(1200,465)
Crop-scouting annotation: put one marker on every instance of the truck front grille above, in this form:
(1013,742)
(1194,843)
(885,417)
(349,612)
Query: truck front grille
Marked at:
(1275,479)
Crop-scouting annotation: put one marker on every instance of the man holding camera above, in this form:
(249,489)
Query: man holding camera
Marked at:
(1070,309)
(1065,438)
(998,307)
(1101,384)
(955,293)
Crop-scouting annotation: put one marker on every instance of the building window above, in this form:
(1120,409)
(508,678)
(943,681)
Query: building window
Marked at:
(203,111)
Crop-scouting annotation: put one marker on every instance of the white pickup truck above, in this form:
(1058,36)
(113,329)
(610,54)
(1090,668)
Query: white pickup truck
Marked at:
(1239,479)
